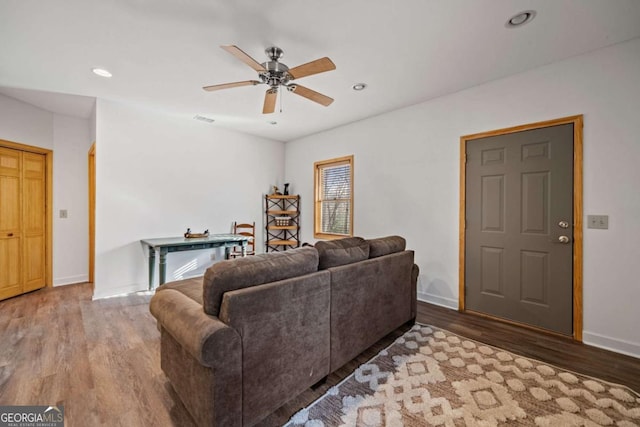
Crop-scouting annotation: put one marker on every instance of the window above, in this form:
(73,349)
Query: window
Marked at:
(333,188)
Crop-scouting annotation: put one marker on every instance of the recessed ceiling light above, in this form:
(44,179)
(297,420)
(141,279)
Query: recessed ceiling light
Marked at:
(101,72)
(519,19)
(359,86)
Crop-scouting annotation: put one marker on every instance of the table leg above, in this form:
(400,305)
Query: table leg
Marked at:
(152,265)
(227,252)
(163,266)
(244,249)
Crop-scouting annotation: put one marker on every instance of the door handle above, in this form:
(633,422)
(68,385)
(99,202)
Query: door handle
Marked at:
(564,239)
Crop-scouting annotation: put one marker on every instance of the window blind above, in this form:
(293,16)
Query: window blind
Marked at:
(335,199)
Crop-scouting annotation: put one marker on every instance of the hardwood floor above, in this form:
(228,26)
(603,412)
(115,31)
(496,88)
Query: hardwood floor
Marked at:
(100,359)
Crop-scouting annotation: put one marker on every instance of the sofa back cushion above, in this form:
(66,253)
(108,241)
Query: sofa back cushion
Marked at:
(284,327)
(249,271)
(369,299)
(386,245)
(343,251)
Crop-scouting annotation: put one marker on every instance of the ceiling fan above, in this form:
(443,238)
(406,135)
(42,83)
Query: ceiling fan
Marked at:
(276,74)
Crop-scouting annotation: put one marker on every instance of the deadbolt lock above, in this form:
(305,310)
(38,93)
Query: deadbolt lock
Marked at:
(563,224)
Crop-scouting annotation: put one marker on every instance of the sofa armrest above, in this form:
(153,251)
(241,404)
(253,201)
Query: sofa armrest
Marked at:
(205,337)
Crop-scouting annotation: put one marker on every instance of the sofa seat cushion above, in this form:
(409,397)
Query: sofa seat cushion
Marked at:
(240,273)
(343,251)
(192,288)
(386,245)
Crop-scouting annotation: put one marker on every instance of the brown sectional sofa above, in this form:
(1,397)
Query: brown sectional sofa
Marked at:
(258,331)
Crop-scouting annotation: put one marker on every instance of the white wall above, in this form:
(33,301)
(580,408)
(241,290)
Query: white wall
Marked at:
(407,176)
(24,123)
(71,142)
(157,175)
(69,139)
(92,124)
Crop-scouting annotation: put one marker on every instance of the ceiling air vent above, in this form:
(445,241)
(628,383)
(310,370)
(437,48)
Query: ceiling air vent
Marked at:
(203,118)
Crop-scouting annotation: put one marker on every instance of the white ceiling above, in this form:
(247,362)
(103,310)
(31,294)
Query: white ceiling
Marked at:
(162,52)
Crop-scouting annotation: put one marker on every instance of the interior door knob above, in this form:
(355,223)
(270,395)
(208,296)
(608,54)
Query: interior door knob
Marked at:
(563,239)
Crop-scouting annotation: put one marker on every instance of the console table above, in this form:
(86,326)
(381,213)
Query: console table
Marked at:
(179,244)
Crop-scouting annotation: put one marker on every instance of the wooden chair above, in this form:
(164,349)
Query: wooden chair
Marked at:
(244,229)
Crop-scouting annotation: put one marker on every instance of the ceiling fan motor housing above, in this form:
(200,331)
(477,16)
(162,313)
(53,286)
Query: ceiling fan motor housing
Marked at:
(277,73)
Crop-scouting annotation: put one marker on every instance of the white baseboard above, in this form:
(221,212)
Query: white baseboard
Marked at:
(438,300)
(61,281)
(119,291)
(619,346)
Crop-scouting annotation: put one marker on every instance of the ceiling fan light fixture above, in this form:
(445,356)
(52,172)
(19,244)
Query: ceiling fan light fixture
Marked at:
(102,72)
(359,86)
(519,19)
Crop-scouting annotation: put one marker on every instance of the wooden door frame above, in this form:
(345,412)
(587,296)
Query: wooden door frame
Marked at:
(577,122)
(92,211)
(48,234)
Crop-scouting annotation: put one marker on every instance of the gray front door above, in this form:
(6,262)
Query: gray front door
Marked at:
(519,227)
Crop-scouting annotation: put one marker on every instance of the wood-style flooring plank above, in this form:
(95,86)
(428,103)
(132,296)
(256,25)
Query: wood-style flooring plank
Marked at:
(101,359)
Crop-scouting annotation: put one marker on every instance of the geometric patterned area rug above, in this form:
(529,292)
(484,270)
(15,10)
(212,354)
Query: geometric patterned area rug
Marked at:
(432,377)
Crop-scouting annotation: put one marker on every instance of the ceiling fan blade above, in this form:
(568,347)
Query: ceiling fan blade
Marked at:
(230,85)
(239,53)
(314,67)
(311,94)
(270,101)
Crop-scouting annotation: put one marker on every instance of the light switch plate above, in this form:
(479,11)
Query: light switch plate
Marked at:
(598,221)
